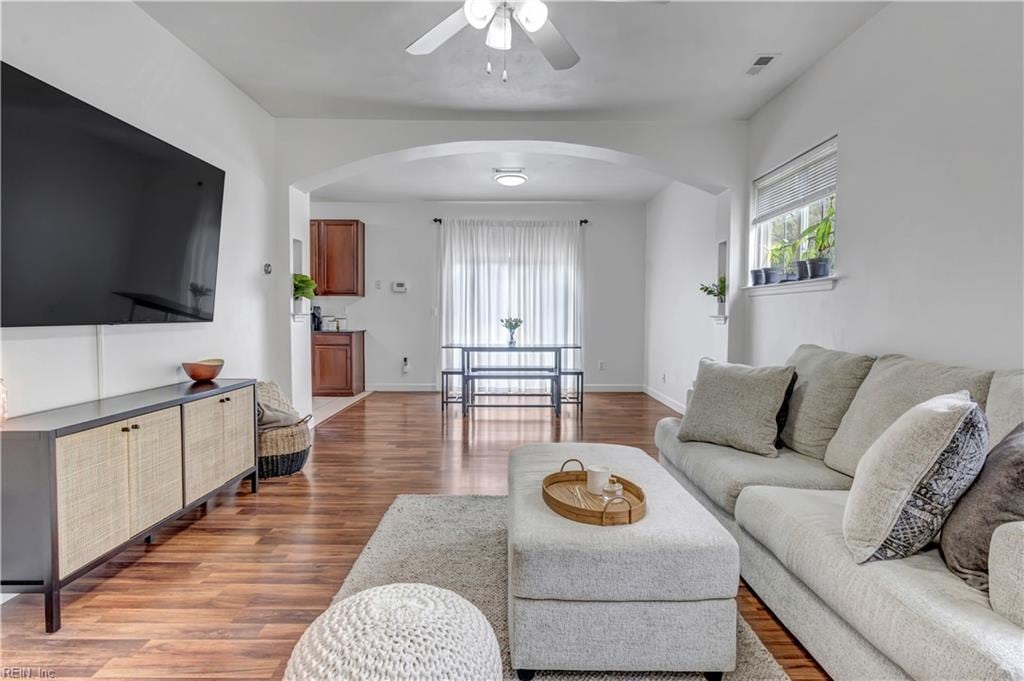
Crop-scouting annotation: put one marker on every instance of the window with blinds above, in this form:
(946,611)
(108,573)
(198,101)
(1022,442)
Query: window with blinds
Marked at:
(793,209)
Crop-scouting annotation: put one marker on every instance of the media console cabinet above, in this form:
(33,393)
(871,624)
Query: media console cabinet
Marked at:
(81,483)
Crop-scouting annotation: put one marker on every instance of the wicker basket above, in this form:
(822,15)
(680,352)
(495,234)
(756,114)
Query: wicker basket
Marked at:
(283,451)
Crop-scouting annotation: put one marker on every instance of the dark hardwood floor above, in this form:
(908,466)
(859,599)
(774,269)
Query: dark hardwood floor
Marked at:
(226,591)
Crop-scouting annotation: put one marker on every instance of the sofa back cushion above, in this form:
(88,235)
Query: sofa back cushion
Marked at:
(895,384)
(1005,406)
(737,405)
(826,382)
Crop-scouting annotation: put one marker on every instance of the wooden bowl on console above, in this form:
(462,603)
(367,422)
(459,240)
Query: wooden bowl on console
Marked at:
(204,369)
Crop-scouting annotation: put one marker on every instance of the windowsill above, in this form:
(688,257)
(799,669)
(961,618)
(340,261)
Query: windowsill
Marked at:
(807,285)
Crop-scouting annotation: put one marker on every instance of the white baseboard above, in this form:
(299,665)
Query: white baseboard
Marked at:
(404,387)
(612,388)
(665,399)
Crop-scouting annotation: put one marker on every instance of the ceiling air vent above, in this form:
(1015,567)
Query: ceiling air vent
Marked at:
(760,61)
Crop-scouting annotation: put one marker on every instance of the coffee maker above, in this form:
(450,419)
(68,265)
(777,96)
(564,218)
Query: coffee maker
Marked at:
(316,319)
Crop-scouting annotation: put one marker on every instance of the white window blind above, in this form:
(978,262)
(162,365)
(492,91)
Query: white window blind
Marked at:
(807,178)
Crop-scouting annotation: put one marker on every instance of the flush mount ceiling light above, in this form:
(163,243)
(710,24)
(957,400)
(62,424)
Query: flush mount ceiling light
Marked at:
(510,177)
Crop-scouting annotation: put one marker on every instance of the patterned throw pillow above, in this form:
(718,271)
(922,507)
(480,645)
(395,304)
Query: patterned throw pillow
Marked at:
(911,477)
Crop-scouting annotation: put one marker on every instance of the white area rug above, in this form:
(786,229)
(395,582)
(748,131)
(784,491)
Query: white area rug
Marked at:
(458,543)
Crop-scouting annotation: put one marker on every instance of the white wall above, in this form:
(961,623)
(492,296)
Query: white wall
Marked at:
(402,245)
(710,156)
(926,100)
(681,253)
(115,57)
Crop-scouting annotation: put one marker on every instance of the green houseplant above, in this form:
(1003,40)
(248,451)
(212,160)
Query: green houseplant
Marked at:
(303,286)
(824,236)
(715,290)
(512,324)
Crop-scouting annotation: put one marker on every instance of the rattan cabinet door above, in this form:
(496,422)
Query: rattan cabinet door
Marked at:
(203,427)
(92,494)
(239,431)
(154,467)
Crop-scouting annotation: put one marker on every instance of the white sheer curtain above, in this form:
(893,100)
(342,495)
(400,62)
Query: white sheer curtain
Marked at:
(532,269)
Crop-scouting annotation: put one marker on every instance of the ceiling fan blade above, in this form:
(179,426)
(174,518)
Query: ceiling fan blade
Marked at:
(440,34)
(553,46)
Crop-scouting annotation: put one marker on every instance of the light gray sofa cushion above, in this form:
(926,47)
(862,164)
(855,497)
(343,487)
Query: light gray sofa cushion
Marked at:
(922,616)
(722,472)
(995,498)
(737,405)
(895,384)
(1005,405)
(910,479)
(826,382)
(1006,562)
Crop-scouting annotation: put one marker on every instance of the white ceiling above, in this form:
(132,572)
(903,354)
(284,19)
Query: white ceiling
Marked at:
(468,177)
(639,60)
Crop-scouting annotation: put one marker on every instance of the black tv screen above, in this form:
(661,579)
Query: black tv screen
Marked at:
(102,223)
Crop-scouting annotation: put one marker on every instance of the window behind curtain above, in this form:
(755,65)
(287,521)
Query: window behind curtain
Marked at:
(788,201)
(491,269)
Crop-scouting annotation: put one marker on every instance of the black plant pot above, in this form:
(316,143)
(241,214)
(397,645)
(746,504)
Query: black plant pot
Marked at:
(756,277)
(773,275)
(790,276)
(819,267)
(803,269)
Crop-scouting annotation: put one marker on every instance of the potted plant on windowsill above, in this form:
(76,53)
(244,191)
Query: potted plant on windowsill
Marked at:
(824,241)
(717,291)
(303,290)
(777,259)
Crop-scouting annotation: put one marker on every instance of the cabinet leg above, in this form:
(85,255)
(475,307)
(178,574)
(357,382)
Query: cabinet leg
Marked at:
(254,482)
(148,539)
(525,674)
(51,605)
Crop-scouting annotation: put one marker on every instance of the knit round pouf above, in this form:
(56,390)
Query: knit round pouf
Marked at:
(398,632)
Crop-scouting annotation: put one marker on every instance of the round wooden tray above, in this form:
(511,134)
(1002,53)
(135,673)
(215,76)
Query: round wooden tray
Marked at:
(566,494)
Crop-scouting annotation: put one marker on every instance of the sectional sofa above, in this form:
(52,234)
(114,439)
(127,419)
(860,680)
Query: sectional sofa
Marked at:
(893,619)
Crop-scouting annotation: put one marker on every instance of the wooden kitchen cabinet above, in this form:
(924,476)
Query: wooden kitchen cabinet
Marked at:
(338,363)
(337,253)
(154,468)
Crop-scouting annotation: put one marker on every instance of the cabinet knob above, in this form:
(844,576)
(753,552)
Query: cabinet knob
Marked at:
(135,426)
(221,400)
(227,399)
(125,429)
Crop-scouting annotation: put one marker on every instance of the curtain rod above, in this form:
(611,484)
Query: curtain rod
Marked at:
(584,221)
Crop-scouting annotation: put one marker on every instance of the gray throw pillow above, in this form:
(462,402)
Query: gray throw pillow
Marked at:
(895,384)
(826,382)
(909,480)
(995,498)
(737,406)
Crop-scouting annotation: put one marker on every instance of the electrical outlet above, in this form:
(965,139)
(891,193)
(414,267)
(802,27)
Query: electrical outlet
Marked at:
(602,365)
(376,284)
(664,377)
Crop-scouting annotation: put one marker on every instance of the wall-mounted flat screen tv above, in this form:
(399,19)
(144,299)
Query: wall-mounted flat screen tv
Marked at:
(102,223)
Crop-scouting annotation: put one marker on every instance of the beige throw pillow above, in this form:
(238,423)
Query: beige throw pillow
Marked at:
(911,477)
(737,406)
(826,381)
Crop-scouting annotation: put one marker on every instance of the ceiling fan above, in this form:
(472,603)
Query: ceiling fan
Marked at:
(497,17)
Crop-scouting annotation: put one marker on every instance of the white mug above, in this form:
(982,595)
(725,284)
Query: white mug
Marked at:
(597,478)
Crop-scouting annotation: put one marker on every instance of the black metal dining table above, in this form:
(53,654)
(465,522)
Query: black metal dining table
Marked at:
(470,373)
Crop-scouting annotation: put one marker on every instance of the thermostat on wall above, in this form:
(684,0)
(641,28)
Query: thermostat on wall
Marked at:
(398,287)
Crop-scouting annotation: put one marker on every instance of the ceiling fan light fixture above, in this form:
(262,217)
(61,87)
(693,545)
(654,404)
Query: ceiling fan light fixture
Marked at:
(479,12)
(510,177)
(532,15)
(499,35)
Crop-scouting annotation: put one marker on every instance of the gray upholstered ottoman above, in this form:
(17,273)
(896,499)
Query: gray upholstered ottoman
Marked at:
(657,595)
